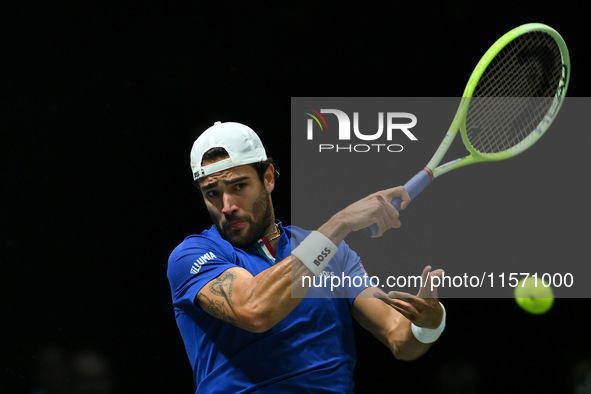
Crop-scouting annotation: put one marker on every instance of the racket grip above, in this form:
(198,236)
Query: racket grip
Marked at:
(413,187)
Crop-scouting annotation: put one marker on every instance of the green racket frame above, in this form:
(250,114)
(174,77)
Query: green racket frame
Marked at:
(459,122)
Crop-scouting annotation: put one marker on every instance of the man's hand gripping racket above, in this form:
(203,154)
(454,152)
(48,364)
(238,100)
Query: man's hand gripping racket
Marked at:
(510,101)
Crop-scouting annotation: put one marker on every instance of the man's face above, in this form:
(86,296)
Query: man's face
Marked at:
(239,203)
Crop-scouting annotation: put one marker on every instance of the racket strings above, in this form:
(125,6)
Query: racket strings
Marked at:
(514,93)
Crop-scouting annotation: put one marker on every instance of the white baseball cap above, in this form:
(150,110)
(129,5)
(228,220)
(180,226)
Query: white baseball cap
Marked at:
(242,144)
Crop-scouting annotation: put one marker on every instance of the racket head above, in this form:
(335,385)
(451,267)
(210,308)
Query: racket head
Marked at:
(514,93)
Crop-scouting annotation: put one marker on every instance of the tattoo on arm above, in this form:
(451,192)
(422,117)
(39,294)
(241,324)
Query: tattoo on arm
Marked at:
(221,286)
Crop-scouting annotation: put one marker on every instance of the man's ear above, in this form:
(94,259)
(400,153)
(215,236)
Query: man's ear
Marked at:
(269,178)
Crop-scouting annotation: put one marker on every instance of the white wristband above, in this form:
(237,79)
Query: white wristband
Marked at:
(429,335)
(315,252)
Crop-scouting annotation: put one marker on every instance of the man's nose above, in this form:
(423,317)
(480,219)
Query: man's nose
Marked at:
(228,204)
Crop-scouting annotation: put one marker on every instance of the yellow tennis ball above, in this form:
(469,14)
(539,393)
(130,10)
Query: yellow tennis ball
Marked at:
(534,295)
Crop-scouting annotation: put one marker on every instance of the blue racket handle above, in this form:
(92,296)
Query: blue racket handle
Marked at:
(414,186)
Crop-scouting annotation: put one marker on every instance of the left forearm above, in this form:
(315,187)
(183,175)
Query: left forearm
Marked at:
(415,340)
(391,327)
(402,342)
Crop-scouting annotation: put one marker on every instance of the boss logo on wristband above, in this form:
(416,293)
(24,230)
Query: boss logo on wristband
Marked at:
(308,252)
(322,256)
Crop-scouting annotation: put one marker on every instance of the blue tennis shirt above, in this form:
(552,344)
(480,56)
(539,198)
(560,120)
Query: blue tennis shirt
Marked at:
(311,350)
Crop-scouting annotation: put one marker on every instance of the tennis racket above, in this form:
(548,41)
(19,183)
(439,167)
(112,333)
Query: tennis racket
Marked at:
(510,101)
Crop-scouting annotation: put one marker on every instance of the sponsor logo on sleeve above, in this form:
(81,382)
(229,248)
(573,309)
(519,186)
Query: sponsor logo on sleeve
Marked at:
(196,267)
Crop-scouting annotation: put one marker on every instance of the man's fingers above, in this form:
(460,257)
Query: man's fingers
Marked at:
(377,209)
(410,310)
(379,294)
(425,278)
(438,272)
(423,309)
(400,295)
(425,289)
(435,288)
(401,298)
(387,216)
(386,197)
(429,288)
(398,192)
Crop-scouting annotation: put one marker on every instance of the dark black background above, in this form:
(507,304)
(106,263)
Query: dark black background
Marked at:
(101,103)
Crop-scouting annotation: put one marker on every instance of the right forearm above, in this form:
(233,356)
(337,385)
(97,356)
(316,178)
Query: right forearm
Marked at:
(336,228)
(274,293)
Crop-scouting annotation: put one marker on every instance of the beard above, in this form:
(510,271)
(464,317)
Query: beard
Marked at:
(262,217)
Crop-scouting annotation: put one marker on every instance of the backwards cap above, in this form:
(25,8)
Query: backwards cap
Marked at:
(242,144)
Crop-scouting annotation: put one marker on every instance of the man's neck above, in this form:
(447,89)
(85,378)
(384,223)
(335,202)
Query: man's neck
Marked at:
(272,235)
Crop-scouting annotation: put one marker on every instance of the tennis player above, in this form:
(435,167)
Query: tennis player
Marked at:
(243,329)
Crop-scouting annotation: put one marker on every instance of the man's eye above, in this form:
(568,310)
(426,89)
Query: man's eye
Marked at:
(211,193)
(240,186)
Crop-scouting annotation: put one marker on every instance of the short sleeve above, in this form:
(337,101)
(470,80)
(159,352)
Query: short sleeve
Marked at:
(352,268)
(194,263)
